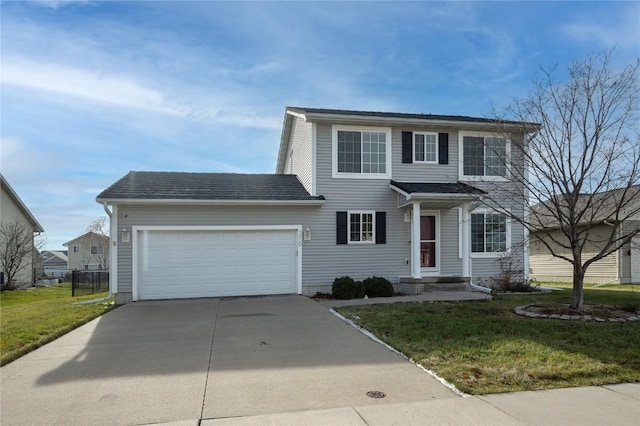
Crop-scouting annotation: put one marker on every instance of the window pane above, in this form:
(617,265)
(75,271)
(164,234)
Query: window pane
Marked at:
(430,148)
(428,254)
(376,147)
(367,227)
(427,227)
(477,233)
(473,156)
(495,156)
(418,147)
(355,226)
(349,152)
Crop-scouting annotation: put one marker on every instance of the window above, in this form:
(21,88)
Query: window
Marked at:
(361,227)
(489,232)
(425,147)
(76,249)
(484,156)
(97,249)
(362,152)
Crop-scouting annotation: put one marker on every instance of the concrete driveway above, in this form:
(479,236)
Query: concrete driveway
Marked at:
(153,362)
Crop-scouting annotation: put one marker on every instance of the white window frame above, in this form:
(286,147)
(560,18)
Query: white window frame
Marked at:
(99,250)
(491,254)
(334,146)
(76,249)
(415,160)
(373,225)
(433,270)
(463,177)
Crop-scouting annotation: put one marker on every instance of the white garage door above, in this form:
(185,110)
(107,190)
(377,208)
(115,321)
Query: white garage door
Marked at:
(215,263)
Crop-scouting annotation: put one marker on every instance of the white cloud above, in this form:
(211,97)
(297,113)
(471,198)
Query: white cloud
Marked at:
(617,31)
(88,84)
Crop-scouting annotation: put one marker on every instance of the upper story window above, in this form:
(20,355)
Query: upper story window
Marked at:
(97,250)
(484,156)
(361,152)
(425,147)
(76,249)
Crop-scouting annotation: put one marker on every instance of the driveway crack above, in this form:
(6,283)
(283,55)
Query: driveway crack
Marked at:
(206,382)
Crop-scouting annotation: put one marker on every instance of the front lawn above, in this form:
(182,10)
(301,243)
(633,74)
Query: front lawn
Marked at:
(31,318)
(483,347)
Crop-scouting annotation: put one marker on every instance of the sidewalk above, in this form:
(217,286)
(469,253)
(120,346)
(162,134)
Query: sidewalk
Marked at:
(613,405)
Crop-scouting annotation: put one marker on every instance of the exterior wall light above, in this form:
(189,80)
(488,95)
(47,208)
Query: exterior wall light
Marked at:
(306,234)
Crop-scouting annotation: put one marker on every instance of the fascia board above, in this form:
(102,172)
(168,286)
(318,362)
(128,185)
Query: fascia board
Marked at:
(113,201)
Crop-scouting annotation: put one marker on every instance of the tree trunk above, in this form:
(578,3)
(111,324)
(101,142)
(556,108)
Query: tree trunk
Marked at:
(578,283)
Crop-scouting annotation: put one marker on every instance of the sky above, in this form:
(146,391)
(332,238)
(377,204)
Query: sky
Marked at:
(91,90)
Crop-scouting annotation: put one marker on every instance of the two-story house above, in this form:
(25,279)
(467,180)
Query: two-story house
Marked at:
(88,252)
(355,193)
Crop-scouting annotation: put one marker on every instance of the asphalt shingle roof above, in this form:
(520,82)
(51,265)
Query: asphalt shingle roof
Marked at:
(435,117)
(437,188)
(206,186)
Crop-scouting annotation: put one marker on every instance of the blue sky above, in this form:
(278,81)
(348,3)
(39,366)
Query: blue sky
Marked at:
(91,90)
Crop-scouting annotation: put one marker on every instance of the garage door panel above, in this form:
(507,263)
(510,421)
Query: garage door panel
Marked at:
(183,264)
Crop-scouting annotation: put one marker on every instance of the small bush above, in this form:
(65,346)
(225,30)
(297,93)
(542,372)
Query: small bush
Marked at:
(343,288)
(378,287)
(358,290)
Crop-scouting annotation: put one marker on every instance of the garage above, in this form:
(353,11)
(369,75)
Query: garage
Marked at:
(191,262)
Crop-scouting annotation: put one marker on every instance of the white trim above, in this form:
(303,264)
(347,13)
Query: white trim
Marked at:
(297,114)
(436,269)
(425,141)
(416,271)
(135,230)
(473,178)
(460,230)
(334,152)
(466,242)
(314,159)
(186,202)
(373,224)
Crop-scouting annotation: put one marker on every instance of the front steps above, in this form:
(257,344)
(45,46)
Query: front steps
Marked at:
(408,285)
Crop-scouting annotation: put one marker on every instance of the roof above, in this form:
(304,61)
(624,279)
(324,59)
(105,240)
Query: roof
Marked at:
(55,256)
(89,234)
(376,118)
(400,115)
(596,208)
(437,188)
(180,186)
(25,211)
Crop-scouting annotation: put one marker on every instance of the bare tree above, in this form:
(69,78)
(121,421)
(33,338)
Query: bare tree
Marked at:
(98,242)
(16,249)
(582,165)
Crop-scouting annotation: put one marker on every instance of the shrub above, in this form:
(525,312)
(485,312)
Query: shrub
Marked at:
(378,287)
(343,288)
(358,290)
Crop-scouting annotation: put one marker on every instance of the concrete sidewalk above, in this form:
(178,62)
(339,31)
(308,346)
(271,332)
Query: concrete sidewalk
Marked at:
(615,405)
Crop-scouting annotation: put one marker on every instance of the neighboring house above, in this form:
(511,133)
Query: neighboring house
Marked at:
(355,193)
(623,266)
(88,252)
(55,263)
(14,212)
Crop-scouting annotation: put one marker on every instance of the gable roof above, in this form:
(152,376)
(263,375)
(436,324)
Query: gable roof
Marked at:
(216,188)
(25,211)
(54,256)
(89,234)
(372,118)
(597,207)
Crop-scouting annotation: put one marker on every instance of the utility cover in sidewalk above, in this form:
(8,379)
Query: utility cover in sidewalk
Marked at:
(376,394)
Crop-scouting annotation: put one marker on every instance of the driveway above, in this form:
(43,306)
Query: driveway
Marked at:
(153,362)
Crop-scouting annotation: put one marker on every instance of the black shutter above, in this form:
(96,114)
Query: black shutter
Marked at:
(381,227)
(443,148)
(341,227)
(407,147)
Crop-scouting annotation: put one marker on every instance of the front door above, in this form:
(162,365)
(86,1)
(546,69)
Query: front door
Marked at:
(429,255)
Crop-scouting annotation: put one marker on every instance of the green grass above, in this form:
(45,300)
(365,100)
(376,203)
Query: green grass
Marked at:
(614,287)
(31,318)
(483,347)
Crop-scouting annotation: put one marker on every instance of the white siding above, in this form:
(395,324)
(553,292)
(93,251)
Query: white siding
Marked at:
(299,158)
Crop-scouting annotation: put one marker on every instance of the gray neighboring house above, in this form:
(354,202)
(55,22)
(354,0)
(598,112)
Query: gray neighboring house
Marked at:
(622,266)
(13,210)
(355,193)
(55,263)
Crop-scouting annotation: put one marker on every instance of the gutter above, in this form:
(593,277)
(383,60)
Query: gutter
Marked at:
(480,288)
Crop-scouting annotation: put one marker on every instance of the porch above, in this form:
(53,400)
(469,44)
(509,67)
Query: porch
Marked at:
(412,286)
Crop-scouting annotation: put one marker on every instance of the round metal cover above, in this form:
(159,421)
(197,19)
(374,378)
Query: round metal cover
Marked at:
(376,394)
